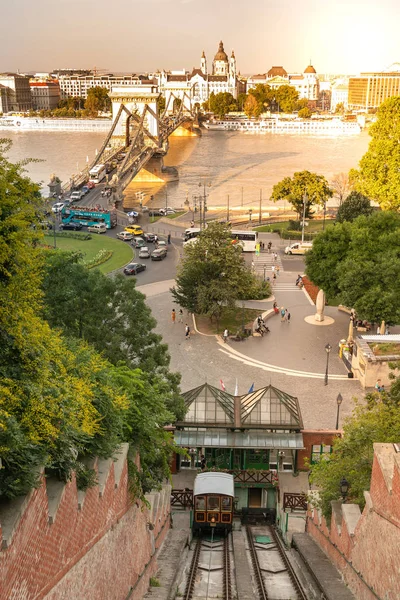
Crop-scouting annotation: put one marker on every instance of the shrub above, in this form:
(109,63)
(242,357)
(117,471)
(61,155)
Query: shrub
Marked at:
(100,258)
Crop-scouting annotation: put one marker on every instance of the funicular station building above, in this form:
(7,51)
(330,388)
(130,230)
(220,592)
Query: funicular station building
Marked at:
(256,437)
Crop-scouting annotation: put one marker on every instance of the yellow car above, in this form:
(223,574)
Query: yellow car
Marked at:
(135,229)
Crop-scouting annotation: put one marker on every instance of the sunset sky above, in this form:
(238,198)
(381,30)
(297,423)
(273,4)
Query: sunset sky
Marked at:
(145,35)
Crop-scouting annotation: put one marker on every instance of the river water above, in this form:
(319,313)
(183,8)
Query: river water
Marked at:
(228,163)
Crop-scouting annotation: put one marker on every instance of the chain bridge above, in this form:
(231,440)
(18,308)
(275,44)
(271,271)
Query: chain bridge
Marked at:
(139,132)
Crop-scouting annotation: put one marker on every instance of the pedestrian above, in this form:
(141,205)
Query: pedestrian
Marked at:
(173,315)
(283,314)
(275,257)
(263,246)
(273,268)
(169,238)
(269,247)
(287,316)
(203,462)
(156,239)
(378,386)
(273,278)
(226,334)
(252,266)
(180,315)
(187,332)
(277,269)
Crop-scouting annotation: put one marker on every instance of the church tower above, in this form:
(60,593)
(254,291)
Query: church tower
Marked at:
(220,62)
(203,63)
(232,69)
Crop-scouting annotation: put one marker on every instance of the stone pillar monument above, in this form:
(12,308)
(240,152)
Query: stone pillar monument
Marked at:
(320,305)
(54,186)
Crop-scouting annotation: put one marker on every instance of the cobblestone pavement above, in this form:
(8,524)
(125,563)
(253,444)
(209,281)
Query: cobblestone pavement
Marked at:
(201,359)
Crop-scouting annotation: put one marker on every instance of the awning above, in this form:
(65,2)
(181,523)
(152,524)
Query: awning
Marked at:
(238,439)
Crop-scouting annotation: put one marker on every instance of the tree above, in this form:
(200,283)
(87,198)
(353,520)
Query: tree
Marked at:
(98,100)
(241,100)
(358,264)
(252,108)
(341,186)
(161,104)
(293,189)
(213,274)
(74,297)
(264,95)
(355,205)
(378,177)
(222,103)
(339,108)
(305,113)
(302,103)
(352,457)
(286,96)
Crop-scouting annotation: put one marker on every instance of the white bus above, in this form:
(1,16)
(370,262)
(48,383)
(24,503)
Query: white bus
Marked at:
(247,239)
(192,233)
(97,174)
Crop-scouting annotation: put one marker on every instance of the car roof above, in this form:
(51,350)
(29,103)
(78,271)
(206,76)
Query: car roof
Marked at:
(214,483)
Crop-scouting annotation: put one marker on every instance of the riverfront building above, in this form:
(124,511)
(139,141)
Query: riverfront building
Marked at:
(306,83)
(45,94)
(369,90)
(78,85)
(17,94)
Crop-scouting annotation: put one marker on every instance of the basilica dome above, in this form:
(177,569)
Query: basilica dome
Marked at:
(221,54)
(310,69)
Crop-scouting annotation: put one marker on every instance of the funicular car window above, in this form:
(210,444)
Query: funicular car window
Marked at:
(213,503)
(226,503)
(200,503)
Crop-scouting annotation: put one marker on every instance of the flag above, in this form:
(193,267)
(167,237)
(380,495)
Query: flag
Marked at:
(236,389)
(251,389)
(222,385)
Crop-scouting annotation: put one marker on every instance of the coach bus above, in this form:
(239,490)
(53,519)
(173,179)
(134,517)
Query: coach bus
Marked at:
(88,217)
(247,239)
(97,174)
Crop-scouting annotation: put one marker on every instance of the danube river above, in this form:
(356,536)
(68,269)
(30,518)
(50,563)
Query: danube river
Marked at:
(228,163)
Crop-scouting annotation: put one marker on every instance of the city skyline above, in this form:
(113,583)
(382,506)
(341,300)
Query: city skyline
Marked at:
(342,38)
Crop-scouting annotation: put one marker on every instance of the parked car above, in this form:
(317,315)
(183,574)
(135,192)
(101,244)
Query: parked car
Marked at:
(149,237)
(135,229)
(70,226)
(138,242)
(162,244)
(91,185)
(98,228)
(125,236)
(57,207)
(144,252)
(167,211)
(85,189)
(158,254)
(134,268)
(77,195)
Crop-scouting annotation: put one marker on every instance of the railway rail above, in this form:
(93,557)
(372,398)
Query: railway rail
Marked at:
(265,584)
(190,589)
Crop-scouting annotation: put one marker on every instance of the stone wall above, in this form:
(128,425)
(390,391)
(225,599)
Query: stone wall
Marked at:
(364,547)
(59,543)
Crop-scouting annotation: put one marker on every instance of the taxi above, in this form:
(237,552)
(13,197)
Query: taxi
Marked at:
(135,229)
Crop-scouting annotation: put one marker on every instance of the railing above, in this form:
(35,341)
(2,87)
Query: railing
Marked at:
(294,501)
(182,498)
(269,477)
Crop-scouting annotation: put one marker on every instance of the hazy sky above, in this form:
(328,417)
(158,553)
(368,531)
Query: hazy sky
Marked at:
(145,35)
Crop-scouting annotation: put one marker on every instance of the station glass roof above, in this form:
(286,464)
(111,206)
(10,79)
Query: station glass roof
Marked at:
(237,439)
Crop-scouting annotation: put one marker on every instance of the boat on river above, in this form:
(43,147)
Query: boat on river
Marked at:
(333,126)
(17,123)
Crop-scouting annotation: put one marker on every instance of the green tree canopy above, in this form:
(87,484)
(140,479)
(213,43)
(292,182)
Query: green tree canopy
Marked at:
(286,96)
(358,263)
(264,95)
(352,457)
(305,113)
(98,100)
(214,275)
(378,177)
(355,205)
(222,103)
(293,189)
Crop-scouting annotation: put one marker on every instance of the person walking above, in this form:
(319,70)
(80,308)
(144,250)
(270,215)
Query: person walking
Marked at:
(173,315)
(283,314)
(187,332)
(288,316)
(273,278)
(226,334)
(269,247)
(169,238)
(277,269)
(180,315)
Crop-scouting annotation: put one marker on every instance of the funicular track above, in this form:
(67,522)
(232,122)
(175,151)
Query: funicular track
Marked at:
(201,544)
(297,592)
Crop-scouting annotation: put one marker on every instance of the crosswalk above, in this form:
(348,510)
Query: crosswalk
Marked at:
(266,261)
(285,287)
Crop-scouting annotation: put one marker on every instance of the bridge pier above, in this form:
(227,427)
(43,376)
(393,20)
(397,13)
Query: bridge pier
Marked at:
(187,129)
(155,172)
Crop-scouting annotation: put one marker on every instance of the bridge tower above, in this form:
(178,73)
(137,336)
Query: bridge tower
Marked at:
(135,99)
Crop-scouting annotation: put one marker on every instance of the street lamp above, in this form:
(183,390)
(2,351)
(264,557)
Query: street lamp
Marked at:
(328,348)
(339,401)
(204,201)
(250,213)
(344,488)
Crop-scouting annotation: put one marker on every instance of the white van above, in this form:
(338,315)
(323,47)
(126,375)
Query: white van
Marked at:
(98,228)
(298,248)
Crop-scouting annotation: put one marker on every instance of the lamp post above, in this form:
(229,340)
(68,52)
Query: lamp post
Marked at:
(250,213)
(328,348)
(305,199)
(339,401)
(204,200)
(344,488)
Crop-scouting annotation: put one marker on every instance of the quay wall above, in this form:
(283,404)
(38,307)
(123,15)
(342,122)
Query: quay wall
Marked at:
(364,546)
(59,543)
